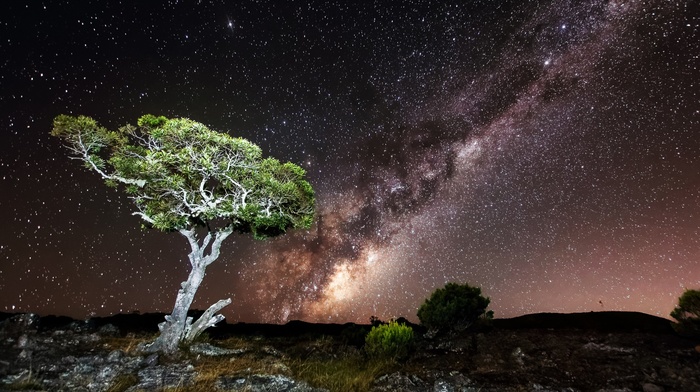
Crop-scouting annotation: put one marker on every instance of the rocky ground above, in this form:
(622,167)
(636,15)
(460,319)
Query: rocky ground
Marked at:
(534,353)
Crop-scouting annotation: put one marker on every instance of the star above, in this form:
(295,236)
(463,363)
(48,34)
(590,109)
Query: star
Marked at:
(539,152)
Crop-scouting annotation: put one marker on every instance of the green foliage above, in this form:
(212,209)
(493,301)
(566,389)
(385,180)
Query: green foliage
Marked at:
(454,307)
(180,174)
(391,340)
(151,121)
(687,313)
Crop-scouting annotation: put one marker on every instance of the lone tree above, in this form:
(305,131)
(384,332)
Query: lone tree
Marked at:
(454,307)
(203,184)
(687,313)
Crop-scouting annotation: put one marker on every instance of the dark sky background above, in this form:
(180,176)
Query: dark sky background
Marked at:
(546,151)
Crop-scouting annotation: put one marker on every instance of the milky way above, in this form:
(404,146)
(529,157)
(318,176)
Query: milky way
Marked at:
(544,151)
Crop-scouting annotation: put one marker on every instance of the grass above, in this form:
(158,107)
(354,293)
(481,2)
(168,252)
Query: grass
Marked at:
(123,382)
(26,383)
(351,373)
(322,362)
(129,344)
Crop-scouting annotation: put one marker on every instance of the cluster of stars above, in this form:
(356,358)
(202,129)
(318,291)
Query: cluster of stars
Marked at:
(545,151)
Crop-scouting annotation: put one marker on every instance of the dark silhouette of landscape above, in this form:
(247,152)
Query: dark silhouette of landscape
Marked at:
(594,351)
(604,321)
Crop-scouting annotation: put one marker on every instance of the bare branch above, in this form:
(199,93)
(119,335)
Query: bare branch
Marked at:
(82,150)
(221,235)
(207,320)
(144,217)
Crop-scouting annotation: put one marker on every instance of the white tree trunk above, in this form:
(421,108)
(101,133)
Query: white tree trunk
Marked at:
(178,327)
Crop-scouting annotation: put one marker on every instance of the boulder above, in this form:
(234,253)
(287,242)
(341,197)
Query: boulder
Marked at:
(399,381)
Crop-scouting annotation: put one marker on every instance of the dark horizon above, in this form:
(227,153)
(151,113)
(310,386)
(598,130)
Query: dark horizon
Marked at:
(526,320)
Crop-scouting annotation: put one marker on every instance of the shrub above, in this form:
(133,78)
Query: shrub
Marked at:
(391,340)
(454,307)
(687,313)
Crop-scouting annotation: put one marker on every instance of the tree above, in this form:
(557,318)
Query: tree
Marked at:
(455,307)
(205,185)
(687,313)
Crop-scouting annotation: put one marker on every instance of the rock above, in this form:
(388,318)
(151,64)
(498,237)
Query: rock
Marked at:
(213,351)
(399,382)
(104,377)
(108,330)
(115,356)
(151,360)
(518,355)
(443,386)
(452,382)
(603,347)
(20,324)
(162,377)
(22,342)
(25,355)
(263,383)
(542,388)
(82,326)
(88,339)
(649,387)
(430,334)
(27,321)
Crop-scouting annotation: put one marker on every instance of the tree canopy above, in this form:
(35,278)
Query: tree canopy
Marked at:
(454,307)
(687,313)
(180,174)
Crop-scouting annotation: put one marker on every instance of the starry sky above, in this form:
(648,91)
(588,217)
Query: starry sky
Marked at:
(546,151)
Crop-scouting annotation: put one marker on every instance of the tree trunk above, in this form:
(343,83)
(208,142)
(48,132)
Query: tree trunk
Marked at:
(178,327)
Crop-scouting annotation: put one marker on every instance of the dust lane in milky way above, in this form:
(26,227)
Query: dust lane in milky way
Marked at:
(560,195)
(545,151)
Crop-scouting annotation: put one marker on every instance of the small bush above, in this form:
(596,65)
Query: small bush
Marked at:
(454,307)
(391,340)
(687,314)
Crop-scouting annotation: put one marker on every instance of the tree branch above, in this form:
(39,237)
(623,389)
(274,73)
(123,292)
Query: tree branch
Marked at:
(206,241)
(220,236)
(207,320)
(80,148)
(144,217)
(189,234)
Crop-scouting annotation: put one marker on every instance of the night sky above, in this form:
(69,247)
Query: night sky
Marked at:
(546,151)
